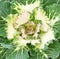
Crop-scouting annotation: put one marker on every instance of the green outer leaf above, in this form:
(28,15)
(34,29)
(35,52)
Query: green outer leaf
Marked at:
(56,28)
(19,54)
(4,8)
(9,46)
(53,50)
(53,10)
(45,3)
(3,28)
(23,1)
(37,55)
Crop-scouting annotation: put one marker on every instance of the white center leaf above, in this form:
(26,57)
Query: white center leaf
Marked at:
(22,18)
